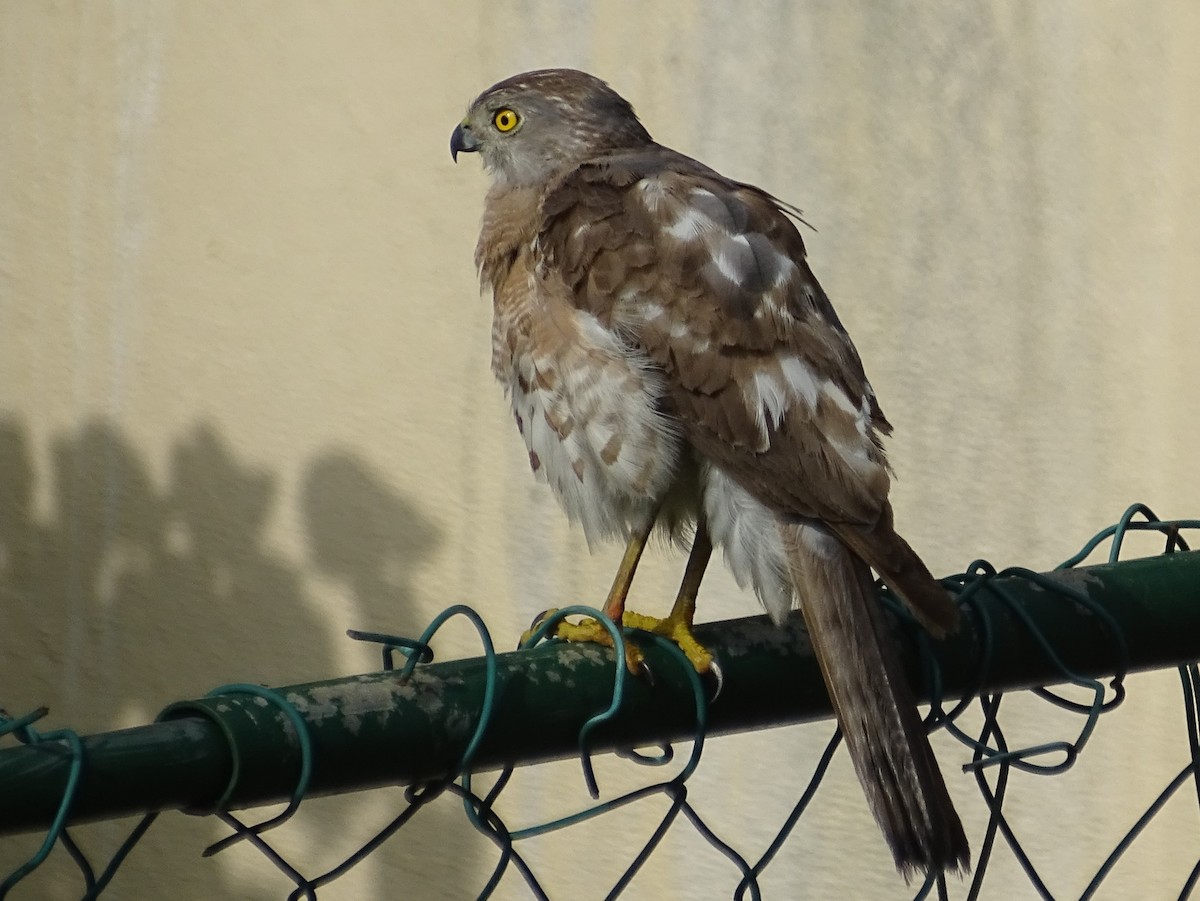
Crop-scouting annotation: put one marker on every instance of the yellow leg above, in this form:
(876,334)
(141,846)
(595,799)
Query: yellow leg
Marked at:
(614,604)
(678,625)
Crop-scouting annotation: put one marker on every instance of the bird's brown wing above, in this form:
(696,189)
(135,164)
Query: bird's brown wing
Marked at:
(708,277)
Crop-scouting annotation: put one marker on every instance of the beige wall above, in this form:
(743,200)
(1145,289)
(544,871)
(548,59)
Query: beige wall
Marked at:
(245,405)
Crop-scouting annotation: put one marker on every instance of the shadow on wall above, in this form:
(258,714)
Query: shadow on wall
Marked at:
(180,572)
(363,534)
(129,595)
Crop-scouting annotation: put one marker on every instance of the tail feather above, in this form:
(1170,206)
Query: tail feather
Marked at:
(873,702)
(903,571)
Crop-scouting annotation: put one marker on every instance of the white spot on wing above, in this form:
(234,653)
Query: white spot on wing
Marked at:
(858,454)
(864,413)
(651,311)
(727,267)
(689,226)
(800,379)
(838,396)
(786,269)
(774,393)
(653,193)
(770,402)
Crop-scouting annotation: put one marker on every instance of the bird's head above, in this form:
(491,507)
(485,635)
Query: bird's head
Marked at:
(538,125)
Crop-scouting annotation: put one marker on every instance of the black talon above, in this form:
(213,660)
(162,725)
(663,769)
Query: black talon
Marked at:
(718,676)
(644,672)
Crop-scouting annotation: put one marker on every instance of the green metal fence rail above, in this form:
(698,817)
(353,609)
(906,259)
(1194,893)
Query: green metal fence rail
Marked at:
(243,747)
(430,726)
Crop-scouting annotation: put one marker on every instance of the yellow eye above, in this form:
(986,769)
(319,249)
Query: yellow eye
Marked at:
(505,119)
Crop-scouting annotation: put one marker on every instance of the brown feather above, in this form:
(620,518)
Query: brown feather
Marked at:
(874,705)
(903,571)
(820,463)
(714,334)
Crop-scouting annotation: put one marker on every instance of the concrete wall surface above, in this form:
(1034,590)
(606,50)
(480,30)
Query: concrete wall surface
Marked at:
(245,401)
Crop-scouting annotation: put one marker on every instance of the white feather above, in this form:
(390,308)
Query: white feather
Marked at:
(727,266)
(801,380)
(859,454)
(654,193)
(603,388)
(748,534)
(785,268)
(689,226)
(769,400)
(835,393)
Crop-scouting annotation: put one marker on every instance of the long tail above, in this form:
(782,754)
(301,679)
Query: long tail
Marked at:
(874,703)
(903,571)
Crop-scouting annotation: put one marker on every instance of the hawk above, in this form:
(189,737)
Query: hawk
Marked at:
(672,361)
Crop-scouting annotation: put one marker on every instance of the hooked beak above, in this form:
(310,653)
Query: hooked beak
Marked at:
(462,141)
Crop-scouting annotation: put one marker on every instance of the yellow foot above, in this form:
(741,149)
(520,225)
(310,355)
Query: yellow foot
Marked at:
(588,630)
(527,635)
(675,629)
(594,631)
